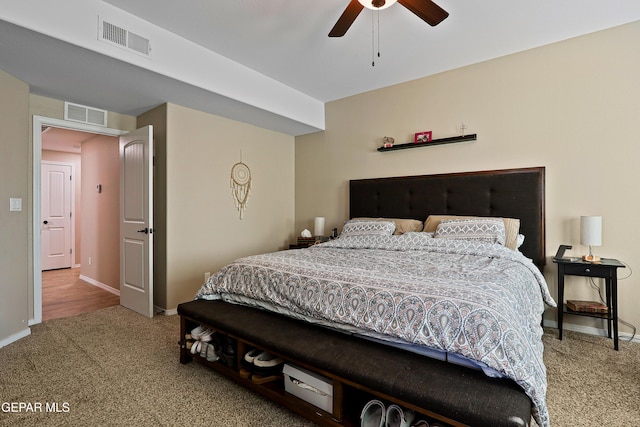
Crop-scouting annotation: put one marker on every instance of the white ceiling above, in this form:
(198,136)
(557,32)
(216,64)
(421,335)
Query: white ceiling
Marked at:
(287,41)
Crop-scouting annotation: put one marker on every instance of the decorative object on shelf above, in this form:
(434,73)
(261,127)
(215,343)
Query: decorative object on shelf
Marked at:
(591,235)
(439,141)
(306,234)
(387,141)
(318,226)
(240,185)
(421,137)
(463,128)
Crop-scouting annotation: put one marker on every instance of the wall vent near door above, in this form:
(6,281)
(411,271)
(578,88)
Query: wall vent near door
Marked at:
(84,114)
(114,34)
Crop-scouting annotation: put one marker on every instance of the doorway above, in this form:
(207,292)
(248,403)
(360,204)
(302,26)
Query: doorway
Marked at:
(67,278)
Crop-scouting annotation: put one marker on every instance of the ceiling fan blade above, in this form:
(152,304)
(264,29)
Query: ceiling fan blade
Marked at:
(346,19)
(427,10)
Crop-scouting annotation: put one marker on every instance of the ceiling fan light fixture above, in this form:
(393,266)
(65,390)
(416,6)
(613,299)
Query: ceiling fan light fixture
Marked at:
(377,4)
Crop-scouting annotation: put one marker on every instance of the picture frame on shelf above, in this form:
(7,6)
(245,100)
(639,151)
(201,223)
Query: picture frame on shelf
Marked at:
(422,137)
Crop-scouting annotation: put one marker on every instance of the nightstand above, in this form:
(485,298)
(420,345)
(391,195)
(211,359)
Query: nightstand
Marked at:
(299,246)
(304,242)
(607,269)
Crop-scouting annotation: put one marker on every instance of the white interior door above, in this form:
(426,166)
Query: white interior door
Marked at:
(56,215)
(136,221)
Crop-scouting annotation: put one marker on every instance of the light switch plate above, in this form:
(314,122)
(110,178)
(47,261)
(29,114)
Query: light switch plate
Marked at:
(15,205)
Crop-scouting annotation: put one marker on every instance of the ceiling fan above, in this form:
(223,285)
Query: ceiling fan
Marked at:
(427,10)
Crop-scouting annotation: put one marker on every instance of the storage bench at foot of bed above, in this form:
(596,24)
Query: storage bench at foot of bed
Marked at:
(359,370)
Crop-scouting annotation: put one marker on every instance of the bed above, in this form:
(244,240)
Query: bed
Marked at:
(465,289)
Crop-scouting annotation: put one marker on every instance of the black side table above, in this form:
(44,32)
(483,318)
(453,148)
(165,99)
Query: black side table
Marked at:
(606,269)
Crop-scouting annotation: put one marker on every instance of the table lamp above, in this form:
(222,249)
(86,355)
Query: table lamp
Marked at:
(318,226)
(591,235)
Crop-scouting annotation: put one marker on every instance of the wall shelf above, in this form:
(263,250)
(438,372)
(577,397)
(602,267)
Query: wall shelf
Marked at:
(440,141)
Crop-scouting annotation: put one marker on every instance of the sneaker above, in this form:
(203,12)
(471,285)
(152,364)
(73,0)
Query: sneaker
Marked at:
(267,364)
(266,360)
(204,347)
(197,332)
(373,414)
(397,417)
(249,357)
(228,352)
(195,348)
(207,335)
(210,353)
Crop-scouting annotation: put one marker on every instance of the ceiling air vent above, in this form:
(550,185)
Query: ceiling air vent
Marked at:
(84,114)
(113,34)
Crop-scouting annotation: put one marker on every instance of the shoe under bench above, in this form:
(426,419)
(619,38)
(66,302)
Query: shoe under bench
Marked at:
(360,370)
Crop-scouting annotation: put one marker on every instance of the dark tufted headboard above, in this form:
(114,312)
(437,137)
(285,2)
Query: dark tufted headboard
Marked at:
(509,193)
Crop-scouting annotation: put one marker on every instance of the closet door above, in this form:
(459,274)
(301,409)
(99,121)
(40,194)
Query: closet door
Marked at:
(56,215)
(136,221)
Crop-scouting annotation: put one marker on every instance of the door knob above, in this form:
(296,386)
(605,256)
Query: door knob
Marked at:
(144,230)
(45,222)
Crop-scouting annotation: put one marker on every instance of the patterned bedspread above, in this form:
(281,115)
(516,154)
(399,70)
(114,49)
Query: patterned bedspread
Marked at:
(479,300)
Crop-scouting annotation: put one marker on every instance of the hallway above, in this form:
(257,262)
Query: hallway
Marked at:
(64,294)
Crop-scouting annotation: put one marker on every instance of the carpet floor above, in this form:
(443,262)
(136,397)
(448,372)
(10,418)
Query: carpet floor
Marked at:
(113,367)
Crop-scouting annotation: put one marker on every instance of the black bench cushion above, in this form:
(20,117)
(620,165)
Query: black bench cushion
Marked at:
(456,392)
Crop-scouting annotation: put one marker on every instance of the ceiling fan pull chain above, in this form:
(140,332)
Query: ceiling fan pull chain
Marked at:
(373,38)
(378,33)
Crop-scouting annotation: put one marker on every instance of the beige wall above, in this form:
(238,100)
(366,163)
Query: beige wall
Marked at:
(74,159)
(203,228)
(14,162)
(101,219)
(572,107)
(157,117)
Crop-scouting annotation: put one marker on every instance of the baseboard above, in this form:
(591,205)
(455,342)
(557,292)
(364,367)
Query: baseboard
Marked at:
(590,330)
(100,285)
(156,309)
(15,337)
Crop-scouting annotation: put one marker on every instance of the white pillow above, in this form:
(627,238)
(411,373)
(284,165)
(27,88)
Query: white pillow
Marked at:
(511,226)
(489,230)
(363,228)
(402,225)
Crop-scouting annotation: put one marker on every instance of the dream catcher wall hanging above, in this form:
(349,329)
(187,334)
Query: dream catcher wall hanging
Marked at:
(240,185)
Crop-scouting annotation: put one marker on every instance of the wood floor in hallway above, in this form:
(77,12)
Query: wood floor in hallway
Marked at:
(64,294)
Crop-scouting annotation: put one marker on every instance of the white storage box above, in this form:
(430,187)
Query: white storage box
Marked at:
(309,386)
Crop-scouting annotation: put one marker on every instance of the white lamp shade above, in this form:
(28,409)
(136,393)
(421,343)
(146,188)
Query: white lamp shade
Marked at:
(318,226)
(591,230)
(368,4)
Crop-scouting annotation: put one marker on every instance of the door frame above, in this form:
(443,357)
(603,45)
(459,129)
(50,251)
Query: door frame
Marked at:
(36,249)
